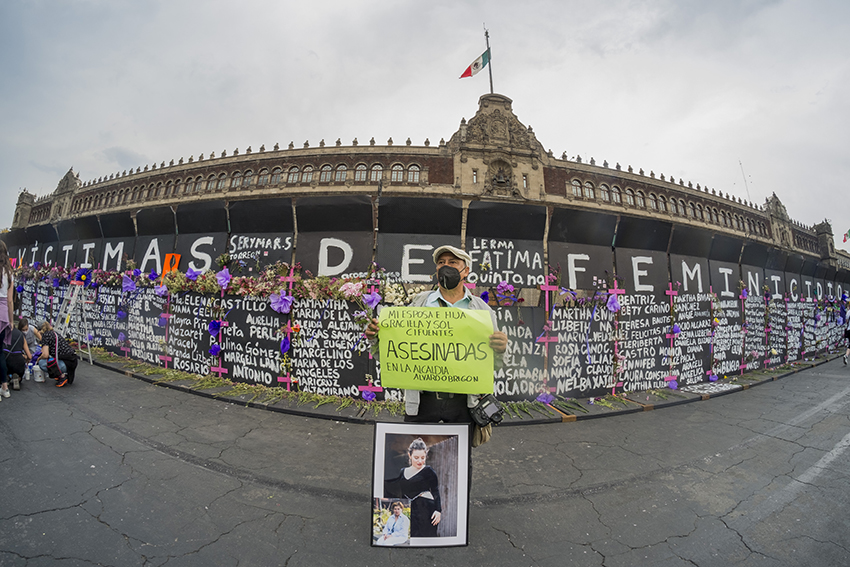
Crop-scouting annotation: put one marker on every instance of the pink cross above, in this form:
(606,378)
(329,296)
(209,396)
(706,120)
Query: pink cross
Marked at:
(370,388)
(618,291)
(127,351)
(670,291)
(617,385)
(165,359)
(220,369)
(289,381)
(670,378)
(548,288)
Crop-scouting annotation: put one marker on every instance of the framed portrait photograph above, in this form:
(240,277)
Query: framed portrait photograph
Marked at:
(420,485)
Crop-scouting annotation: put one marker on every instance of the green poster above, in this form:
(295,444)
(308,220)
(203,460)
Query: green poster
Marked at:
(437,349)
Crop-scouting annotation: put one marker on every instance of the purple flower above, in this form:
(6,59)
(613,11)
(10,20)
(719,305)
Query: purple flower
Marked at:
(675,329)
(215,350)
(127,283)
(712,378)
(161,290)
(839,320)
(223,278)
(613,305)
(368,396)
(36,265)
(485,296)
(817,316)
(281,303)
(545,398)
(673,385)
(121,314)
(20,289)
(372,299)
(163,321)
(284,345)
(214,327)
(56,282)
(122,337)
(744,293)
(89,337)
(504,288)
(137,272)
(192,274)
(153,275)
(83,275)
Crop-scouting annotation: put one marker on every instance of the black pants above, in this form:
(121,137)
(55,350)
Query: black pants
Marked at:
(446,409)
(71,365)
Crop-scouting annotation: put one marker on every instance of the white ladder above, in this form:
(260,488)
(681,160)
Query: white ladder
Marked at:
(69,306)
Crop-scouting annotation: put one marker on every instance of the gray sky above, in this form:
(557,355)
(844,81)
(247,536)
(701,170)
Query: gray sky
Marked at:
(686,88)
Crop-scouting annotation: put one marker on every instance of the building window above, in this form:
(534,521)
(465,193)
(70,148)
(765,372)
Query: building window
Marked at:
(630,197)
(588,190)
(360,173)
(615,195)
(692,211)
(682,208)
(156,192)
(340,173)
(276,176)
(211,183)
(714,218)
(376,173)
(248,178)
(723,218)
(396,174)
(576,188)
(236,181)
(263,179)
(325,176)
(293,176)
(524,181)
(169,190)
(474,176)
(700,212)
(653,202)
(603,193)
(413,174)
(307,176)
(639,200)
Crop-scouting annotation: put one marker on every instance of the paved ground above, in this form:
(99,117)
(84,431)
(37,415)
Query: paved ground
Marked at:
(114,471)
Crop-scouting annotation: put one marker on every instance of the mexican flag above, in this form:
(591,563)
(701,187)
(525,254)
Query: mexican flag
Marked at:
(477,65)
(847,236)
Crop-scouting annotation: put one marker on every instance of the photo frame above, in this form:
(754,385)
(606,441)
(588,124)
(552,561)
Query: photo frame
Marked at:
(420,471)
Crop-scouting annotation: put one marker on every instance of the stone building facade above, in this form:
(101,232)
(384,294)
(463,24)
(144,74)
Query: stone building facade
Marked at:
(491,157)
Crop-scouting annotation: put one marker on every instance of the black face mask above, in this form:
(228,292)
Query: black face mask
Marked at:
(448,277)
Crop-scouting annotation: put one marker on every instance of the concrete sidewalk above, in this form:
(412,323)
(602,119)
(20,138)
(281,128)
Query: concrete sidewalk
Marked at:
(116,471)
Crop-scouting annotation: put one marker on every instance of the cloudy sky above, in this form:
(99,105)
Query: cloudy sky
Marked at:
(694,89)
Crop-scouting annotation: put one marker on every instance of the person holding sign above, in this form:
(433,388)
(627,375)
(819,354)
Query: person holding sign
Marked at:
(434,350)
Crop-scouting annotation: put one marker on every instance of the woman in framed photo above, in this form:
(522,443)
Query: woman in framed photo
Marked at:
(420,484)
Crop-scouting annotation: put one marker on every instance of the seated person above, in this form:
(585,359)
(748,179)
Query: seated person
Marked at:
(397,528)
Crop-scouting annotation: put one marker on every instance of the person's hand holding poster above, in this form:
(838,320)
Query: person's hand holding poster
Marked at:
(436,349)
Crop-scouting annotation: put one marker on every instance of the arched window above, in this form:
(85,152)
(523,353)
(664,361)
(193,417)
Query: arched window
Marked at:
(699,212)
(222,181)
(723,218)
(714,218)
(615,195)
(248,178)
(681,208)
(325,176)
(397,174)
(293,175)
(662,204)
(156,192)
(630,197)
(603,193)
(276,176)
(263,178)
(360,173)
(169,189)
(639,200)
(376,173)
(236,180)
(211,183)
(413,174)
(692,211)
(339,174)
(653,202)
(307,176)
(576,188)
(588,190)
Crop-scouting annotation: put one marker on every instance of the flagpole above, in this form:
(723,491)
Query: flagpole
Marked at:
(490,58)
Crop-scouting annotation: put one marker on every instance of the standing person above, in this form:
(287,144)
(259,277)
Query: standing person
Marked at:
(847,339)
(17,356)
(52,344)
(453,265)
(7,306)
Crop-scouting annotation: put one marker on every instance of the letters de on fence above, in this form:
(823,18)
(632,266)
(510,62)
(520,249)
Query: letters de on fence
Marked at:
(436,349)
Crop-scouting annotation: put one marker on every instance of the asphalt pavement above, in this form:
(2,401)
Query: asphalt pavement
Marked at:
(116,471)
